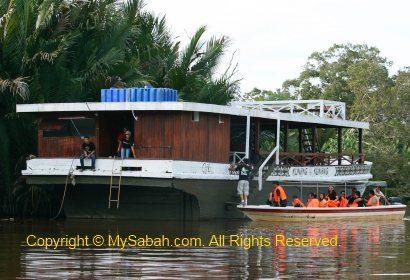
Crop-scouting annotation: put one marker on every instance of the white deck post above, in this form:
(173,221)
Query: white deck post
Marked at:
(277,140)
(248,132)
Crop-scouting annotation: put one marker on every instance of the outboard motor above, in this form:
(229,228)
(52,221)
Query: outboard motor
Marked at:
(395,200)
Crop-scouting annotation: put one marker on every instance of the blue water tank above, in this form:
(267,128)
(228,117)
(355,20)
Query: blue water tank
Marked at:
(160,94)
(145,94)
(108,95)
(114,95)
(128,94)
(122,92)
(133,94)
(103,95)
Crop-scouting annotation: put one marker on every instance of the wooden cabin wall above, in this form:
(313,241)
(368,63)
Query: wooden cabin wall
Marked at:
(174,135)
(157,135)
(53,147)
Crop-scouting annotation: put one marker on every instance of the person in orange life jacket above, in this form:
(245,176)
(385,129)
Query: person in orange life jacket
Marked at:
(373,199)
(322,200)
(243,183)
(313,202)
(342,199)
(332,197)
(356,200)
(126,146)
(297,202)
(278,196)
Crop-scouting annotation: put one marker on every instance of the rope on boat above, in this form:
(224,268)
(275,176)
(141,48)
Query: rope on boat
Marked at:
(69,174)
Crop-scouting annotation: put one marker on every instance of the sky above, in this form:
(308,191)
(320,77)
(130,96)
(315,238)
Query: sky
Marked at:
(272,39)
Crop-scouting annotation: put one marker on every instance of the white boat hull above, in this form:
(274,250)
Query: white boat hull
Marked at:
(290,213)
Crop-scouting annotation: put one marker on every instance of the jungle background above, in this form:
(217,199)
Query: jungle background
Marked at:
(67,51)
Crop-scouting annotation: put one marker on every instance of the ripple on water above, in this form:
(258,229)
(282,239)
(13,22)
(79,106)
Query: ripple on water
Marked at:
(373,248)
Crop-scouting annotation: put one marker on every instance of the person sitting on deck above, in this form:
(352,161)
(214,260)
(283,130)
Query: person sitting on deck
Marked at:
(332,197)
(243,184)
(322,200)
(313,202)
(353,192)
(88,151)
(356,200)
(297,202)
(373,199)
(278,196)
(126,146)
(342,199)
(382,198)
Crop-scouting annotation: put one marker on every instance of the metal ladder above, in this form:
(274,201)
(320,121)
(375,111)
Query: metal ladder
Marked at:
(116,187)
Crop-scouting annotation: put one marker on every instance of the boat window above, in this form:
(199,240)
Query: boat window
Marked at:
(195,116)
(70,127)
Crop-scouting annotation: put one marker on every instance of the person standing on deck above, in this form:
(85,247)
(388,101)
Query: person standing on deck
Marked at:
(278,196)
(120,137)
(243,184)
(126,146)
(88,151)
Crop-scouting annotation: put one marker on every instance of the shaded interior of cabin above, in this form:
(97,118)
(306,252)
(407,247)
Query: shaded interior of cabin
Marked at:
(191,136)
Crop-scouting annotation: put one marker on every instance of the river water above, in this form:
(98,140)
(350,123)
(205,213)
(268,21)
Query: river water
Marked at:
(379,250)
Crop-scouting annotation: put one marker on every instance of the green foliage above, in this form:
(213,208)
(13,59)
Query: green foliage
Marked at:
(358,75)
(66,51)
(266,95)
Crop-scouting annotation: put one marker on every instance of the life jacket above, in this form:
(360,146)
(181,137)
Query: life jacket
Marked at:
(343,202)
(369,202)
(354,204)
(323,203)
(296,201)
(282,194)
(313,203)
(331,203)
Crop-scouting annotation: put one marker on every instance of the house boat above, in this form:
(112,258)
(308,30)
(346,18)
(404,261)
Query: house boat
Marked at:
(184,153)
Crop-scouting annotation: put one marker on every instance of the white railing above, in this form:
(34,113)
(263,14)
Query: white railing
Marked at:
(238,157)
(260,174)
(316,108)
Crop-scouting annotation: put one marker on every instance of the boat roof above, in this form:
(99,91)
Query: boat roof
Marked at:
(328,113)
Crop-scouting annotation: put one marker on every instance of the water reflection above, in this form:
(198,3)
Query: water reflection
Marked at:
(365,249)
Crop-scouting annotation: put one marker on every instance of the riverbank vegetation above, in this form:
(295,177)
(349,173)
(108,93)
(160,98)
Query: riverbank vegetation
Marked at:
(66,51)
(359,76)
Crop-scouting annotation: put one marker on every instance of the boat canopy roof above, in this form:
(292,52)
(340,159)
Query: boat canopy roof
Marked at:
(321,112)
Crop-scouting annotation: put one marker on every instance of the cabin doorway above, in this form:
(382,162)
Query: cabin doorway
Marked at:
(111,125)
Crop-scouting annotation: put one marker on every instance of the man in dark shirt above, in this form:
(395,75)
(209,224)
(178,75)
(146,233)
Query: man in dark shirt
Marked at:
(88,151)
(356,200)
(243,184)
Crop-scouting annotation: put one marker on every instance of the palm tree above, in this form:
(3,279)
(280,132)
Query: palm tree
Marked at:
(66,51)
(195,69)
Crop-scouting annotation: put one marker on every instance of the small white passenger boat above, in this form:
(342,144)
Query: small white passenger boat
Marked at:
(290,213)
